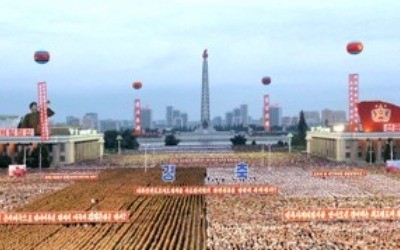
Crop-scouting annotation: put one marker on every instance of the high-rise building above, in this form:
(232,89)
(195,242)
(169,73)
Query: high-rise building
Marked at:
(288,121)
(330,117)
(170,110)
(73,121)
(312,118)
(184,120)
(244,115)
(90,121)
(147,121)
(237,119)
(229,119)
(275,114)
(109,124)
(217,121)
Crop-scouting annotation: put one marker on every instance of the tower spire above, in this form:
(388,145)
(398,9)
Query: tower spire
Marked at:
(205,97)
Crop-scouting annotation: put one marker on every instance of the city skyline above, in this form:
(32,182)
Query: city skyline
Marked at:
(98,49)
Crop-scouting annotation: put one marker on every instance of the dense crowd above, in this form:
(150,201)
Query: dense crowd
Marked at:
(255,222)
(18,191)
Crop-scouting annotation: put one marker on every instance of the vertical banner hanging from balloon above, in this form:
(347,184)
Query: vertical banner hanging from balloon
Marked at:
(137,117)
(44,121)
(353,101)
(266,113)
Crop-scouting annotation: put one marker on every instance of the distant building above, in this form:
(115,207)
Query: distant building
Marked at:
(275,114)
(66,145)
(90,121)
(237,119)
(217,121)
(330,117)
(244,115)
(229,119)
(312,118)
(9,121)
(170,110)
(185,120)
(147,119)
(176,118)
(288,121)
(109,124)
(126,124)
(73,121)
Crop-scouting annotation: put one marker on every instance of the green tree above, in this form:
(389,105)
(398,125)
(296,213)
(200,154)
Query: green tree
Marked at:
(300,138)
(238,140)
(171,140)
(5,160)
(129,141)
(253,143)
(280,144)
(110,139)
(33,160)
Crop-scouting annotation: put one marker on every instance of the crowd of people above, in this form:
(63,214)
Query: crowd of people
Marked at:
(18,191)
(255,222)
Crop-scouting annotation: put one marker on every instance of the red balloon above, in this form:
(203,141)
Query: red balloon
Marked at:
(41,57)
(266,80)
(137,85)
(355,48)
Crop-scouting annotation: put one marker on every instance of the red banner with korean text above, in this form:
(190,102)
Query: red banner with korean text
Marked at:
(71,177)
(338,173)
(378,116)
(340,214)
(64,217)
(204,160)
(16,132)
(205,190)
(44,120)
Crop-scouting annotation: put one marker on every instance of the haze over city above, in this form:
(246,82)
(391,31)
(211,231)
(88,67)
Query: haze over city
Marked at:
(99,48)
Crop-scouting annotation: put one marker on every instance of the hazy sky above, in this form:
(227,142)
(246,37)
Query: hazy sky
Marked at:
(98,48)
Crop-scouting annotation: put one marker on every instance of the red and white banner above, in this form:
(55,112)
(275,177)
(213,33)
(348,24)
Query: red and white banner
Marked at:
(16,132)
(266,113)
(391,127)
(393,166)
(71,177)
(205,190)
(44,120)
(338,173)
(353,101)
(340,214)
(17,170)
(64,217)
(378,116)
(138,117)
(204,160)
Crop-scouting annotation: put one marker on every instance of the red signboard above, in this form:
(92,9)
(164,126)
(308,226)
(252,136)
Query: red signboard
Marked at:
(138,117)
(71,177)
(204,160)
(44,120)
(353,100)
(266,113)
(340,214)
(16,132)
(64,217)
(391,127)
(376,116)
(205,190)
(338,173)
